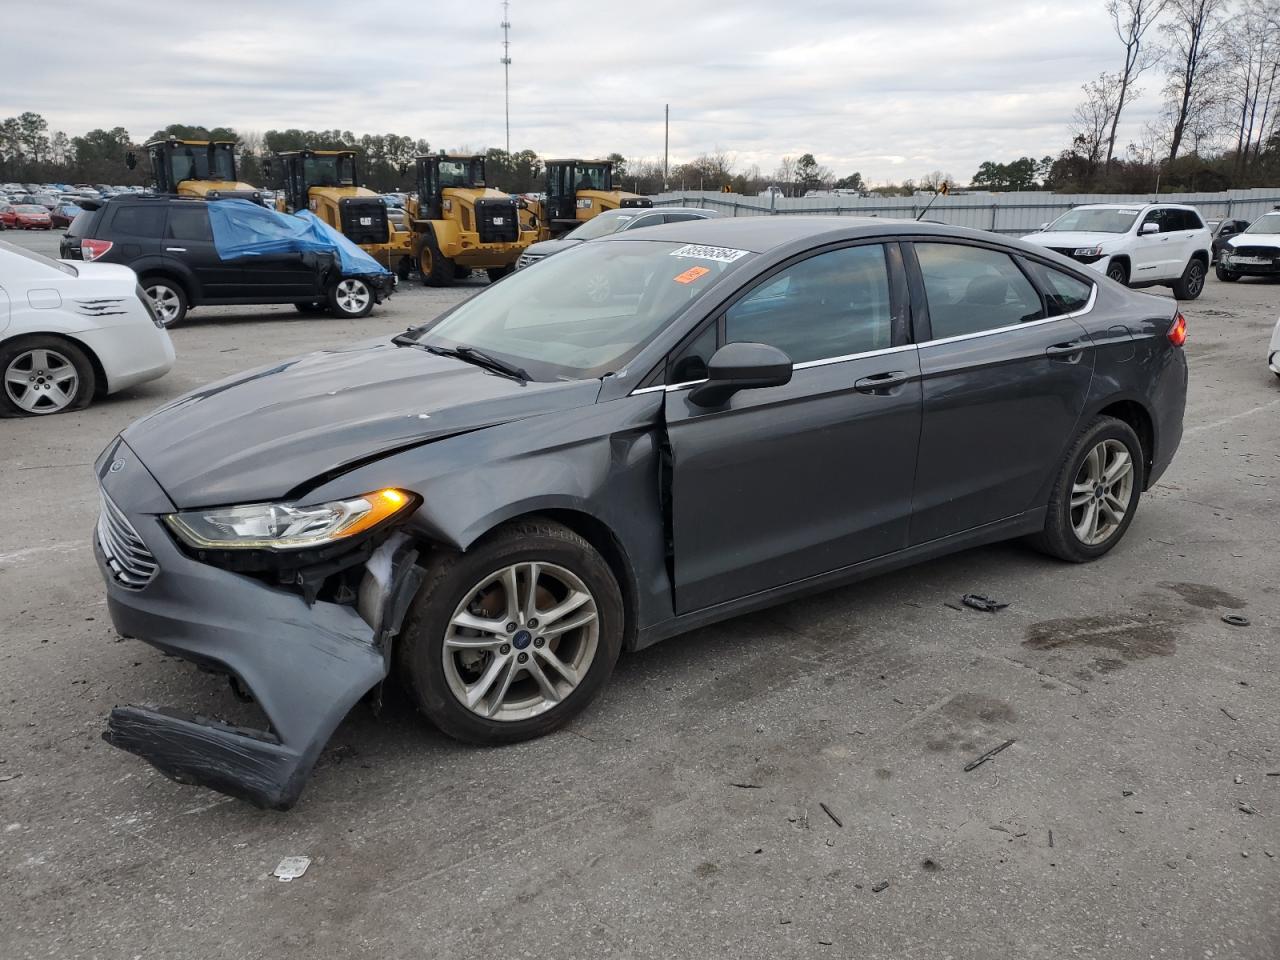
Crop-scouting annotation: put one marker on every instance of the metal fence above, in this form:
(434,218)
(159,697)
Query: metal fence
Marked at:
(1011,213)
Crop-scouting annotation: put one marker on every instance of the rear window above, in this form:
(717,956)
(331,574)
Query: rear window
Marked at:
(39,258)
(139,220)
(82,224)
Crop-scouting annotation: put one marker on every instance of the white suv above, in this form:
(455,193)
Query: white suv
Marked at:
(1139,245)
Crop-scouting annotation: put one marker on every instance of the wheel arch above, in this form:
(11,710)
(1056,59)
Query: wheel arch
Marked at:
(1203,256)
(100,387)
(1133,412)
(173,275)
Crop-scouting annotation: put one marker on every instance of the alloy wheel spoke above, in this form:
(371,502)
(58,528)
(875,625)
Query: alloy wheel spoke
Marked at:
(548,688)
(568,605)
(1120,466)
(548,656)
(476,692)
(1115,506)
(14,375)
(1089,522)
(495,699)
(568,625)
(530,605)
(511,585)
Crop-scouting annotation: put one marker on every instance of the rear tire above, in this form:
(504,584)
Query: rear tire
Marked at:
(497,273)
(1226,276)
(1076,497)
(1191,284)
(461,273)
(434,267)
(524,699)
(404,268)
(350,298)
(1119,272)
(44,374)
(168,298)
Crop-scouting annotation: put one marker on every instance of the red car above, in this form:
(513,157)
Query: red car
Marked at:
(32,216)
(8,216)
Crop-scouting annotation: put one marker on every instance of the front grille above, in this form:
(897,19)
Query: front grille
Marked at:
(526,259)
(496,221)
(364,220)
(1267,253)
(128,558)
(1065,251)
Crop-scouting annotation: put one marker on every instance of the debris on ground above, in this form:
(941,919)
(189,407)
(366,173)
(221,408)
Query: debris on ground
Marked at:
(827,810)
(1246,807)
(953,606)
(882,885)
(9,776)
(1126,793)
(1235,620)
(1230,715)
(930,865)
(746,786)
(1051,838)
(291,868)
(1239,779)
(981,602)
(987,756)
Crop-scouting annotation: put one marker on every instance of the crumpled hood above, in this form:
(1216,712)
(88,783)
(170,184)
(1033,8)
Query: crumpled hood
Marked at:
(1255,240)
(1070,240)
(258,435)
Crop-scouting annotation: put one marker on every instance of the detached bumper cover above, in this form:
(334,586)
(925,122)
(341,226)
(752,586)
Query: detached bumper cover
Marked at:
(306,666)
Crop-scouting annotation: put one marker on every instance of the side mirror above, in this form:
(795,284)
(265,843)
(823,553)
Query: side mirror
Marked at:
(1148,228)
(1044,226)
(741,366)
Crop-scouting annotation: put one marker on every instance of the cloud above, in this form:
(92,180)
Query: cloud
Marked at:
(890,90)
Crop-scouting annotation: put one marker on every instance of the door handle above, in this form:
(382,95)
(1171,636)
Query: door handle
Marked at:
(176,249)
(1067,349)
(881,382)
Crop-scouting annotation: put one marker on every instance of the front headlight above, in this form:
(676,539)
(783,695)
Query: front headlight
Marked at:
(283,526)
(1094,251)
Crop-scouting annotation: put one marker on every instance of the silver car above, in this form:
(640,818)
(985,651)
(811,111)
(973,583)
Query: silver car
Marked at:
(611,221)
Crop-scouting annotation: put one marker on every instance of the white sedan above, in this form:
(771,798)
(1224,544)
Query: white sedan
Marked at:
(72,332)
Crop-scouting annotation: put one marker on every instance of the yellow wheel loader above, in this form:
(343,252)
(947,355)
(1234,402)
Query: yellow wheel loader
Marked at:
(576,190)
(326,183)
(460,224)
(196,168)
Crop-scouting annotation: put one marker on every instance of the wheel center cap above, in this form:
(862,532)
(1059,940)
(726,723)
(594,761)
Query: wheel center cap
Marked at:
(1099,491)
(521,639)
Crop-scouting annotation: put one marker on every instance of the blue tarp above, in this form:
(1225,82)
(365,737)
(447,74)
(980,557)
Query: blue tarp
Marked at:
(242,228)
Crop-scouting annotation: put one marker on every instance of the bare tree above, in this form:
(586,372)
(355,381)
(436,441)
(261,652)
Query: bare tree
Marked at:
(1132,19)
(1194,33)
(1252,43)
(785,175)
(1095,117)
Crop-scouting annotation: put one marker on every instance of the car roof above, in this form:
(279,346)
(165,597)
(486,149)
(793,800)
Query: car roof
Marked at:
(1141,205)
(762,234)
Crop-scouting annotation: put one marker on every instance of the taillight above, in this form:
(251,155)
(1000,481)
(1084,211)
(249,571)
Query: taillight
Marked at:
(93,249)
(1178,332)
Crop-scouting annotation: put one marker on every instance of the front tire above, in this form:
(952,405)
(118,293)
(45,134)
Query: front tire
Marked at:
(513,638)
(168,298)
(1119,272)
(44,374)
(1191,284)
(435,269)
(1226,276)
(350,298)
(1095,494)
(497,273)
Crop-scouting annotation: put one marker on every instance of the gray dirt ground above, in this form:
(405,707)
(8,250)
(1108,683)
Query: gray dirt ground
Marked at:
(680,817)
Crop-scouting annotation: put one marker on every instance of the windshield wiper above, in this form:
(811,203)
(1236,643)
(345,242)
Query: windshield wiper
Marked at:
(481,359)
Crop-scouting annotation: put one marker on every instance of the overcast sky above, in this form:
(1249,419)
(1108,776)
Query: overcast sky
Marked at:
(893,90)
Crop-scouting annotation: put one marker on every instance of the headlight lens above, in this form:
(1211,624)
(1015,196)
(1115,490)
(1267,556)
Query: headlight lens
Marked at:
(283,526)
(1094,251)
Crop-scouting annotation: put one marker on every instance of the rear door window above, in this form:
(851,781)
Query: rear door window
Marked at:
(139,220)
(1063,293)
(972,289)
(189,222)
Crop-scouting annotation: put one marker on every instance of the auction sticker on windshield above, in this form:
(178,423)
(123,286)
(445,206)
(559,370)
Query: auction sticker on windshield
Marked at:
(692,274)
(700,251)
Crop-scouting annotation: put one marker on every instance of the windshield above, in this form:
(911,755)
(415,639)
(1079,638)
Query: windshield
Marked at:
(1265,224)
(209,162)
(585,312)
(593,176)
(461,173)
(1094,220)
(600,226)
(39,258)
(330,171)
(31,208)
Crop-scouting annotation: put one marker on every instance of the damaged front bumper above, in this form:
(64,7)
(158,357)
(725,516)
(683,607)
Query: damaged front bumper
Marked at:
(306,664)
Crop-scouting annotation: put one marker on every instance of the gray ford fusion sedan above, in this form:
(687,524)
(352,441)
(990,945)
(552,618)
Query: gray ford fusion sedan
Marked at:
(648,433)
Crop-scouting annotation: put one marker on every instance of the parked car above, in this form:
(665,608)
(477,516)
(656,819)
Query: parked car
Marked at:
(169,241)
(1139,245)
(1222,231)
(73,333)
(8,216)
(64,215)
(495,503)
(611,221)
(1253,253)
(31,216)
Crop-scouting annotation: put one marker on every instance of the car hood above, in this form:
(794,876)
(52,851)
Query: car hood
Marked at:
(265,434)
(1255,240)
(1066,239)
(545,248)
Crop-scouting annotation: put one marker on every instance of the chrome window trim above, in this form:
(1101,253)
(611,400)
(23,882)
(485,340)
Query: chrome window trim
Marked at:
(1093,296)
(805,365)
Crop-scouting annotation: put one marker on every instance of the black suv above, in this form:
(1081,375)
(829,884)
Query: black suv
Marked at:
(168,242)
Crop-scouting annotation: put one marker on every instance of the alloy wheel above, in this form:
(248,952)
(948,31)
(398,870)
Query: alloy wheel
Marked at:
(1101,492)
(1195,278)
(352,295)
(165,301)
(41,381)
(521,641)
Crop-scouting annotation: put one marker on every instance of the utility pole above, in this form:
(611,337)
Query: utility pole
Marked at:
(506,66)
(666,144)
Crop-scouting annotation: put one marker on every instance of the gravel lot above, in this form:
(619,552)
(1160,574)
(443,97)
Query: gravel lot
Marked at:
(681,816)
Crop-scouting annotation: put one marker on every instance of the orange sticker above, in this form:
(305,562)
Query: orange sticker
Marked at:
(692,274)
